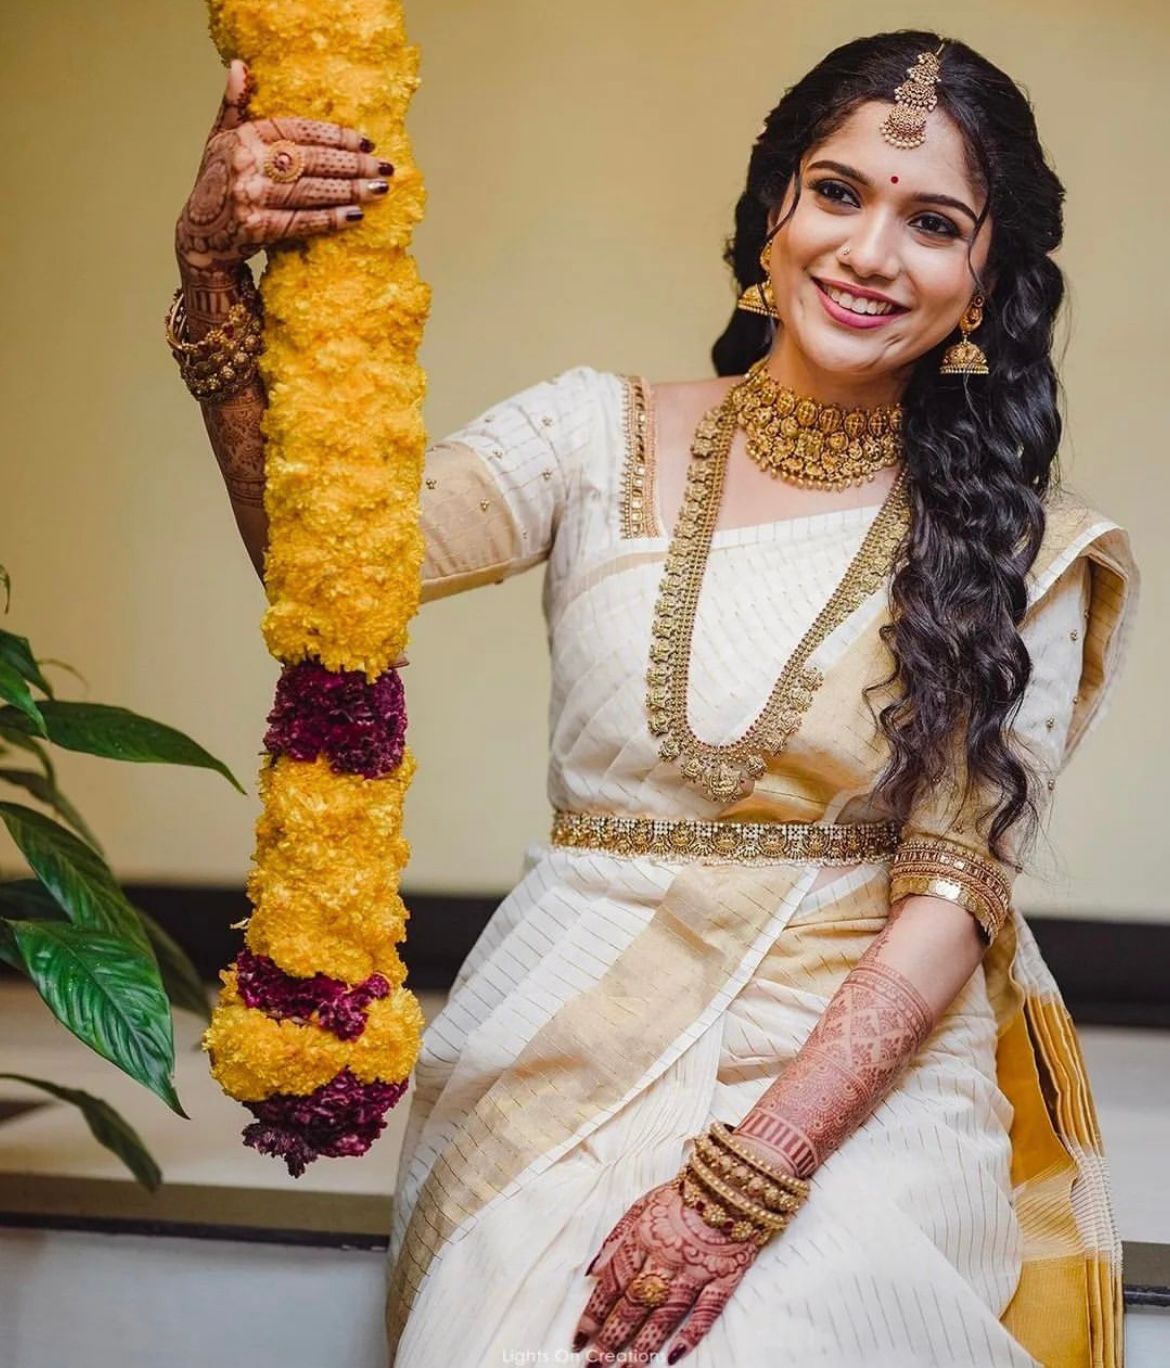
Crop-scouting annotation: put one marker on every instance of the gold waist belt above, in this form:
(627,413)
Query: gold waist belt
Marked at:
(734,842)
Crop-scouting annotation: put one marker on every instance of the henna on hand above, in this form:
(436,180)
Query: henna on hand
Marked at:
(875,1024)
(236,207)
(660,1234)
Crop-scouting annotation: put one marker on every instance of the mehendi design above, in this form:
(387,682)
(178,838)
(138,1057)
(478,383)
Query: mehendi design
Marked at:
(660,1234)
(874,1025)
(233,424)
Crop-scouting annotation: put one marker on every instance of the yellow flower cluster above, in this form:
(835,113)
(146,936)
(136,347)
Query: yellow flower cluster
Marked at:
(324,883)
(344,456)
(257,1055)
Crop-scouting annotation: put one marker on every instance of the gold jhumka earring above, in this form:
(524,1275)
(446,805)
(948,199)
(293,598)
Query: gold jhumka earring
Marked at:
(759,298)
(966,357)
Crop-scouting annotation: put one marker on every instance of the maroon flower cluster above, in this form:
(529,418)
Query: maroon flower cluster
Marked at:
(340,1120)
(340,1006)
(360,727)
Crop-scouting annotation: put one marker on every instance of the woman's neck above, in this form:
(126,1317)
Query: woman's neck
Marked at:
(789,367)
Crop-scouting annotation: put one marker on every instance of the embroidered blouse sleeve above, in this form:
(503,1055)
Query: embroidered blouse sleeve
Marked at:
(495,490)
(1073,638)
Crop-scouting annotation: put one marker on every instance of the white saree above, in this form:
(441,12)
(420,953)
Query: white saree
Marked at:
(618,1002)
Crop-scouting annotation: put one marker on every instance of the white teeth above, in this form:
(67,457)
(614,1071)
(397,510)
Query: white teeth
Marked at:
(858,305)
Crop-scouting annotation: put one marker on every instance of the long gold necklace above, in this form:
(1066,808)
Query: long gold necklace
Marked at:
(726,771)
(810,444)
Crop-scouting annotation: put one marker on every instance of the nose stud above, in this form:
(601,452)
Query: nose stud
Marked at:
(845,251)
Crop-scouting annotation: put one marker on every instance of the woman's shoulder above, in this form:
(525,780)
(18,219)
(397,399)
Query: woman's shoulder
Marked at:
(1076,529)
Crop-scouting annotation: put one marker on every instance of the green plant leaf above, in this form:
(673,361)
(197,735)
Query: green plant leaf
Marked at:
(18,653)
(14,736)
(184,987)
(108,994)
(14,690)
(45,792)
(108,1128)
(119,734)
(9,950)
(180,977)
(30,898)
(74,873)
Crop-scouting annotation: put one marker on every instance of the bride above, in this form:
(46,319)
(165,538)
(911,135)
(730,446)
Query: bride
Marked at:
(759,1063)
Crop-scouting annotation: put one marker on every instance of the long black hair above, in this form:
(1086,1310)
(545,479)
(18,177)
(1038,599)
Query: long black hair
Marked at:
(979,452)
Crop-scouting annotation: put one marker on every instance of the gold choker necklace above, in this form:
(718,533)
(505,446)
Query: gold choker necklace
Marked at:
(810,444)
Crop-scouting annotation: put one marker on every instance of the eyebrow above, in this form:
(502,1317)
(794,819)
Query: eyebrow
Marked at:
(856,175)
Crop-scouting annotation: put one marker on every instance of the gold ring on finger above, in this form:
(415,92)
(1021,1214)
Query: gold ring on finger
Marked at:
(649,1289)
(285,162)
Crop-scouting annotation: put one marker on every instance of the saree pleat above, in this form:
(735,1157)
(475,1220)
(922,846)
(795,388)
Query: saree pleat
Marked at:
(616,1004)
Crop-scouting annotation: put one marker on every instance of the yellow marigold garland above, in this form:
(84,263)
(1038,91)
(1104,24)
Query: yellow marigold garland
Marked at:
(314,1029)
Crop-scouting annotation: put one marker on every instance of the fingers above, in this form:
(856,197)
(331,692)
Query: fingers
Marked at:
(707,1308)
(266,226)
(233,108)
(327,162)
(633,1319)
(312,131)
(664,1319)
(623,1263)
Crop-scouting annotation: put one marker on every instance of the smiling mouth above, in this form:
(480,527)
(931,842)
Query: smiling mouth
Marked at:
(864,308)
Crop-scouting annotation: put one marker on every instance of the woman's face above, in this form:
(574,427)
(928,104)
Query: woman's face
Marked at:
(889,222)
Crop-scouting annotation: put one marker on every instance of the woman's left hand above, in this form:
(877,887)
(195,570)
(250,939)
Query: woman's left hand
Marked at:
(660,1235)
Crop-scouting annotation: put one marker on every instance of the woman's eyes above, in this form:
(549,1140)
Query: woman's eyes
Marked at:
(837,192)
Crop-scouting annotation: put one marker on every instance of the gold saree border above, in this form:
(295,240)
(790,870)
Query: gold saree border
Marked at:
(599,1048)
(603,1044)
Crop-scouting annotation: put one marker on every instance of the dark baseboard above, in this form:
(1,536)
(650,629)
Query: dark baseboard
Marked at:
(1112,973)
(321,1220)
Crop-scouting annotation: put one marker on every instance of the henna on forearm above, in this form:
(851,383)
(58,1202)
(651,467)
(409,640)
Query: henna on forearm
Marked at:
(873,1026)
(233,424)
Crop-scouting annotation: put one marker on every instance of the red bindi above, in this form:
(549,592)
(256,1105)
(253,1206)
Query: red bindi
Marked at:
(893,180)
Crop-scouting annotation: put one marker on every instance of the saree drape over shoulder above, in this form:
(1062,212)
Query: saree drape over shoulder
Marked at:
(624,996)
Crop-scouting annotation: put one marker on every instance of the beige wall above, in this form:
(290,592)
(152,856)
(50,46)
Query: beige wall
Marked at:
(582,161)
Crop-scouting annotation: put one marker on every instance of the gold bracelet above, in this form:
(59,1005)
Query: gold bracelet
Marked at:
(223,361)
(750,1180)
(714,1215)
(797,1186)
(738,1201)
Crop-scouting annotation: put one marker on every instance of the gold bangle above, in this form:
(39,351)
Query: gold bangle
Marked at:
(737,1200)
(715,1215)
(223,361)
(750,1180)
(797,1186)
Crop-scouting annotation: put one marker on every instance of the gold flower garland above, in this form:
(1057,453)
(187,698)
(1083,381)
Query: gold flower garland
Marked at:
(344,457)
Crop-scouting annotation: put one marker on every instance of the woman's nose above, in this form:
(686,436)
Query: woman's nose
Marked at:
(870,250)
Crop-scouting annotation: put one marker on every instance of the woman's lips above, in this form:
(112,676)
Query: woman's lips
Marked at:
(853,320)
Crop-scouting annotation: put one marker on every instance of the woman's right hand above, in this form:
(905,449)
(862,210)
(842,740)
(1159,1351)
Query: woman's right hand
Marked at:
(235,208)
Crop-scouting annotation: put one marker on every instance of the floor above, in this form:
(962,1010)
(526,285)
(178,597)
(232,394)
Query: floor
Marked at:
(1130,1070)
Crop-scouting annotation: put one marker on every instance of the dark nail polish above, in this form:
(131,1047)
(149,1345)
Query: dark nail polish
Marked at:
(378,187)
(385,168)
(367,145)
(676,1353)
(354,214)
(580,1340)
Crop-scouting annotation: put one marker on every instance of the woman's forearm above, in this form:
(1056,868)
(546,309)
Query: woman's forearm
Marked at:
(233,424)
(873,1027)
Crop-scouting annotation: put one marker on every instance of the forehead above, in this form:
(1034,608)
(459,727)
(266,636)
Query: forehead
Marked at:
(938,166)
